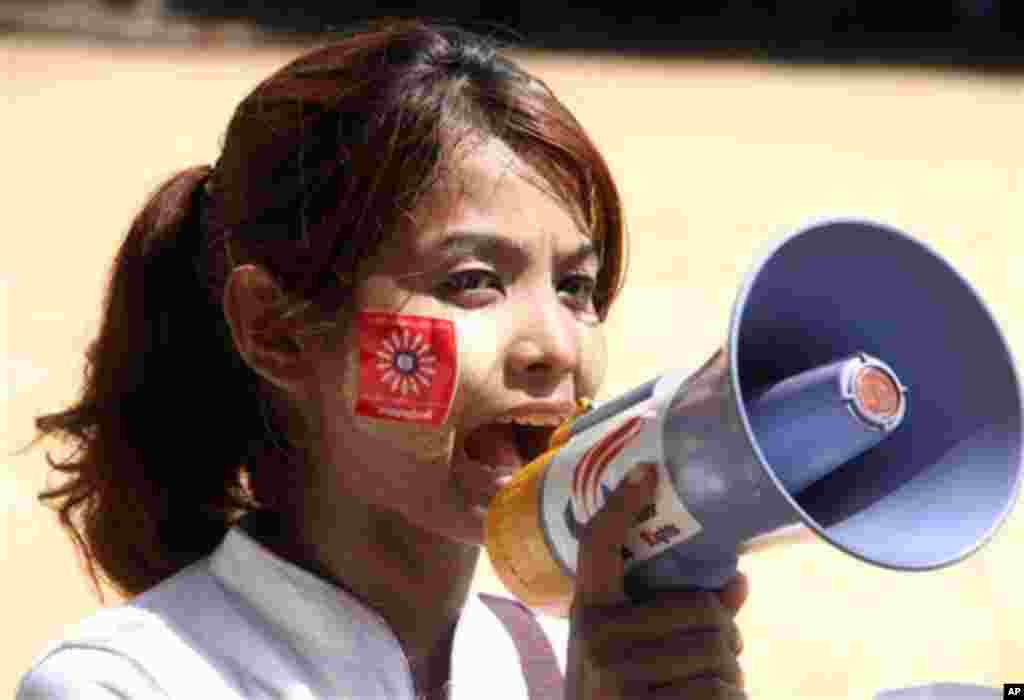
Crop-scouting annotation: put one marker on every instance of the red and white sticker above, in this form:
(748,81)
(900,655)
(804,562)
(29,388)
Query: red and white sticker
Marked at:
(407,367)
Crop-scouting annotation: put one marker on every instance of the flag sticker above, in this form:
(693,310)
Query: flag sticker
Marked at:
(407,367)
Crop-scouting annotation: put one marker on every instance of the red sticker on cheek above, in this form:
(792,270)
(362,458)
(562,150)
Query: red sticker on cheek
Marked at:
(407,367)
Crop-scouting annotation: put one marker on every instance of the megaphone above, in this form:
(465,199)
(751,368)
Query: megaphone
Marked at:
(864,396)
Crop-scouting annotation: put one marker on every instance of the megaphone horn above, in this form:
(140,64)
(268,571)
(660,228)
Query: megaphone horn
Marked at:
(864,395)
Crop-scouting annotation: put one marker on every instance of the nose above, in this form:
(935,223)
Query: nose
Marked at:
(546,348)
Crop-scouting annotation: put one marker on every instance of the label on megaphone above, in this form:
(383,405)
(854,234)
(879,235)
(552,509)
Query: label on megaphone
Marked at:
(590,466)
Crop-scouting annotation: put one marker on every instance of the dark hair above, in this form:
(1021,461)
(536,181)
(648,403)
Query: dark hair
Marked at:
(321,163)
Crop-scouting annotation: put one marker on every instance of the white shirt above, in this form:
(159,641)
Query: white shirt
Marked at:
(244,623)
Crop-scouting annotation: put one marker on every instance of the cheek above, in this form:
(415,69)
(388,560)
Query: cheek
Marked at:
(480,371)
(478,379)
(593,361)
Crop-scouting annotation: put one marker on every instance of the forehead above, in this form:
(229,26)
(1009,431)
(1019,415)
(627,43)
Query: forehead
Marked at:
(493,192)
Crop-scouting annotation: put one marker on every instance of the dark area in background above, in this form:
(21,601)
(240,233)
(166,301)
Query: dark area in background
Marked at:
(963,33)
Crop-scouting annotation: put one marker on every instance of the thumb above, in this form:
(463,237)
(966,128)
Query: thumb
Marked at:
(735,593)
(600,569)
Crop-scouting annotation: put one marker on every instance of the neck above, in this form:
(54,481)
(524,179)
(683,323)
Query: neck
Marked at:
(416,581)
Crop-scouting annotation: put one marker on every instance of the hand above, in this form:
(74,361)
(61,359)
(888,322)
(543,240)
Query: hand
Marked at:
(679,644)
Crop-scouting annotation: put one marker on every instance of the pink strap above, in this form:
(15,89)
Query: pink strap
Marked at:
(537,658)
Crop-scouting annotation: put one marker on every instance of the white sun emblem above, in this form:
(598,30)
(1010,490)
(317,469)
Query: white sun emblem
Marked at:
(406,362)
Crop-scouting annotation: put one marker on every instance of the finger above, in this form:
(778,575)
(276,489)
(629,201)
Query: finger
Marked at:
(684,655)
(699,689)
(614,629)
(732,598)
(735,593)
(599,570)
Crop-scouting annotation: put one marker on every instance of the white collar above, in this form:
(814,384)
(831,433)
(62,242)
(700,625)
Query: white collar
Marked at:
(342,638)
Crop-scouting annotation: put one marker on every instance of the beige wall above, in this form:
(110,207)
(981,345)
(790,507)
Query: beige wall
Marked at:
(714,160)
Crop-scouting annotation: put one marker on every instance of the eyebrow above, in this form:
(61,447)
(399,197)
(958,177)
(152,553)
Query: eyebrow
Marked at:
(492,247)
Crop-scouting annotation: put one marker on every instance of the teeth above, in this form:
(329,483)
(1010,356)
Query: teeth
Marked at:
(537,420)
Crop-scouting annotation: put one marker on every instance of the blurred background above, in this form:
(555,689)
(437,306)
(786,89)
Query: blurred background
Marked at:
(974,33)
(726,124)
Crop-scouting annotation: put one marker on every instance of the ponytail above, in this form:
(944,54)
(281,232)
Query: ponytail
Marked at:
(169,411)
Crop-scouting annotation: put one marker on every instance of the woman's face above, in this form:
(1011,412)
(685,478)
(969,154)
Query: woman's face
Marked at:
(507,265)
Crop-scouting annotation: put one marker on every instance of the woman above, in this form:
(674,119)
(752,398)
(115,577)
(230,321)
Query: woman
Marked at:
(310,380)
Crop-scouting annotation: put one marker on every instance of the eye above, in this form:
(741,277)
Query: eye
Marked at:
(580,291)
(470,284)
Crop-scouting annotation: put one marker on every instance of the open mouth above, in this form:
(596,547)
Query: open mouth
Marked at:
(508,446)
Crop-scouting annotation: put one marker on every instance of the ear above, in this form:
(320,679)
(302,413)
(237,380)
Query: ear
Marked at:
(250,299)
